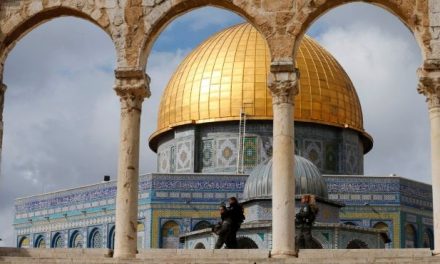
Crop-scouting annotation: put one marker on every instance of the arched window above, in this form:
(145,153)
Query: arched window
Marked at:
(170,235)
(246,243)
(381,226)
(24,242)
(202,225)
(140,235)
(357,244)
(428,238)
(410,236)
(199,246)
(95,239)
(384,233)
(111,238)
(58,241)
(76,240)
(315,244)
(40,242)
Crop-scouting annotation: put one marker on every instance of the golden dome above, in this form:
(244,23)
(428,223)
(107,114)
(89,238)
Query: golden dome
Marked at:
(229,71)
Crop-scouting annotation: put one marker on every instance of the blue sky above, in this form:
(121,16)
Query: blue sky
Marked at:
(62,116)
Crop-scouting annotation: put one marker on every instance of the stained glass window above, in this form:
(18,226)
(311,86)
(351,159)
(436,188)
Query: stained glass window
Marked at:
(24,242)
(170,235)
(410,236)
(77,240)
(58,241)
(207,153)
(40,242)
(111,243)
(428,239)
(250,156)
(96,239)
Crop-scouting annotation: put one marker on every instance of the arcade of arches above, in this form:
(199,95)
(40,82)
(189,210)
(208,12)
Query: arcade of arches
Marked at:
(133,27)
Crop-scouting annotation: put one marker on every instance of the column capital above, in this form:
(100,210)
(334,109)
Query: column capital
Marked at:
(283,80)
(132,83)
(429,86)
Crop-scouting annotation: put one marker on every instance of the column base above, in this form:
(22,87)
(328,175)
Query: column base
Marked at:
(124,256)
(283,253)
(436,252)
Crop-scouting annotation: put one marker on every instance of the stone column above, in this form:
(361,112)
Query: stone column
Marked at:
(430,87)
(282,83)
(132,86)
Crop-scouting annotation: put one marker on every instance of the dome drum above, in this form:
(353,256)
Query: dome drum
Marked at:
(212,147)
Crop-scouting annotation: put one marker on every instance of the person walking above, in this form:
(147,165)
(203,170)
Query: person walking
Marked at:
(232,218)
(304,220)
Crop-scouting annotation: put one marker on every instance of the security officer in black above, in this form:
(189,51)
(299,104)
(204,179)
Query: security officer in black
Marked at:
(304,221)
(232,217)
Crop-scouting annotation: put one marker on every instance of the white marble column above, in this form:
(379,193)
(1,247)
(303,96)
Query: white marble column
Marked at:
(282,83)
(132,86)
(430,87)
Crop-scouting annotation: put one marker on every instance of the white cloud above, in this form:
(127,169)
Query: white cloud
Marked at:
(62,116)
(381,59)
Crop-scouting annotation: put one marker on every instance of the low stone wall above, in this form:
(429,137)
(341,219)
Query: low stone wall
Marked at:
(55,252)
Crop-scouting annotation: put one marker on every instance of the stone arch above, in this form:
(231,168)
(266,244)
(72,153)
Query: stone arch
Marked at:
(76,240)
(95,238)
(246,243)
(410,14)
(24,242)
(17,29)
(410,236)
(357,244)
(169,13)
(169,235)
(200,245)
(57,240)
(201,225)
(40,242)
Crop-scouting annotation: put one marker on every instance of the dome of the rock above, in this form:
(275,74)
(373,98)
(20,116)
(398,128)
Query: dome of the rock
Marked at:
(199,113)
(229,72)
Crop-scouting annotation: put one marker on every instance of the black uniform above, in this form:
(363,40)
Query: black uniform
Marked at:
(232,219)
(304,220)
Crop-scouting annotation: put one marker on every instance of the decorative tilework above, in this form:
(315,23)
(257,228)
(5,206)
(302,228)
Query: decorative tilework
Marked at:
(267,147)
(351,158)
(313,152)
(184,156)
(227,152)
(331,156)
